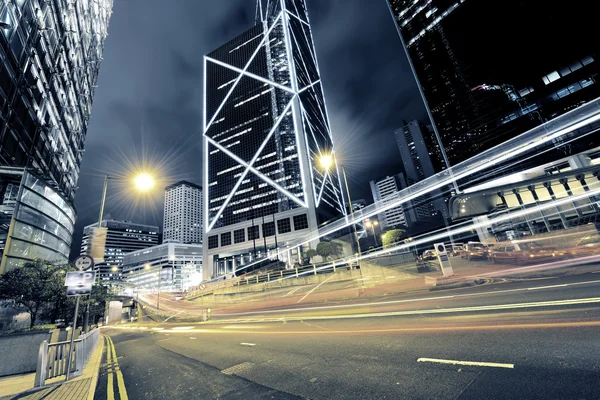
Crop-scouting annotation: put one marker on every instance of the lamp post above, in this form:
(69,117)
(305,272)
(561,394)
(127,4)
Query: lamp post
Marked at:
(326,161)
(143,182)
(372,225)
(158,291)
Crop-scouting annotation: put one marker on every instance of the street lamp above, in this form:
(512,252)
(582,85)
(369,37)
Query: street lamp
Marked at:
(372,225)
(143,182)
(326,161)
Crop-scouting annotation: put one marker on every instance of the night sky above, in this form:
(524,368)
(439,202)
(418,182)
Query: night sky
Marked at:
(147,111)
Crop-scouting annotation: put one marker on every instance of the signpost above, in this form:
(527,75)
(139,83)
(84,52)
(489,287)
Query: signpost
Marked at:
(442,255)
(78,283)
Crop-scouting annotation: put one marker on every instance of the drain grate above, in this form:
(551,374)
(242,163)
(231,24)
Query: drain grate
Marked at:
(238,369)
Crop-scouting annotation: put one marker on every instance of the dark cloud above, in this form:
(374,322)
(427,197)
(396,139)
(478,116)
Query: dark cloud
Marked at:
(148,106)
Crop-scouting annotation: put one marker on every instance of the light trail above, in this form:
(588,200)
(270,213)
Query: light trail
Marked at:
(384,303)
(428,329)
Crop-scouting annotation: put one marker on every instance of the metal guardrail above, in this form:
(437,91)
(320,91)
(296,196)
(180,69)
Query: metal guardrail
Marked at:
(52,357)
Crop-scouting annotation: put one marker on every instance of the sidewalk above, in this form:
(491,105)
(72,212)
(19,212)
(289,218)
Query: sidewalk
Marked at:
(81,388)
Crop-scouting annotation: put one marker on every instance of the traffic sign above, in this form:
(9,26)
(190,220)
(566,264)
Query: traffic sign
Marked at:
(78,283)
(84,262)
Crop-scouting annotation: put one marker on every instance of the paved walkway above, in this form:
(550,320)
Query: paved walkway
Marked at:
(20,387)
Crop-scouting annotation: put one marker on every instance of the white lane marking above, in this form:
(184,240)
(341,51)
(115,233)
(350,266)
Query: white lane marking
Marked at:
(596,272)
(173,316)
(193,338)
(248,344)
(182,328)
(547,287)
(381,303)
(473,363)
(292,291)
(315,288)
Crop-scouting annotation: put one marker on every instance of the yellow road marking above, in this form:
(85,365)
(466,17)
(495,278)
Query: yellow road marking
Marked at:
(471,363)
(120,380)
(110,391)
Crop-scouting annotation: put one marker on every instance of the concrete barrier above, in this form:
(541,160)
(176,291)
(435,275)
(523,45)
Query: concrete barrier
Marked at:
(20,351)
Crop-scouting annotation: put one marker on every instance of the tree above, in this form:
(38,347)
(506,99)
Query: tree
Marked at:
(325,249)
(310,253)
(32,286)
(392,237)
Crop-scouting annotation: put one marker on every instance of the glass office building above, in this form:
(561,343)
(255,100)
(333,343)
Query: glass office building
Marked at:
(36,220)
(50,54)
(489,71)
(266,130)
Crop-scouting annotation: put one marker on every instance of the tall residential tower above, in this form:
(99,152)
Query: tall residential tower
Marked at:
(266,134)
(183,213)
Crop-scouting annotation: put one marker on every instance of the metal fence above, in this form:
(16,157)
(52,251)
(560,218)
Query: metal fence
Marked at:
(52,357)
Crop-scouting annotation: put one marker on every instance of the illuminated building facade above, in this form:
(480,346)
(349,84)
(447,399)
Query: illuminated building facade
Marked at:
(170,267)
(489,71)
(50,54)
(122,237)
(265,131)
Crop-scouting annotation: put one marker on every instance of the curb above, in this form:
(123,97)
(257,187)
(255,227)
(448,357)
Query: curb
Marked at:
(96,375)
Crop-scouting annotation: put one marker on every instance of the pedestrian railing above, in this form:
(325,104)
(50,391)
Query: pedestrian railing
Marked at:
(53,357)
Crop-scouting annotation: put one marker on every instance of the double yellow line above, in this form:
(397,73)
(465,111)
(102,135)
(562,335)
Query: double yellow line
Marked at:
(112,366)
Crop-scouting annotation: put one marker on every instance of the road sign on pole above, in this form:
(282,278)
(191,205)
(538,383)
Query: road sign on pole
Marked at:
(83,263)
(78,283)
(442,255)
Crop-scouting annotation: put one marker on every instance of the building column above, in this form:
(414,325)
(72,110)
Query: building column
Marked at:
(537,202)
(565,183)
(559,210)
(520,200)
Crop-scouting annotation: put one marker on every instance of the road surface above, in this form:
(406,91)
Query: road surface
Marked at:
(534,339)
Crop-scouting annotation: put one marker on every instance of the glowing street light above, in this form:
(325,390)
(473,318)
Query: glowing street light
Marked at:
(143,182)
(372,225)
(326,161)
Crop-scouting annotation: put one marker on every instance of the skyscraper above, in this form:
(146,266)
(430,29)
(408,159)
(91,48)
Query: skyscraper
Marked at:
(50,54)
(266,132)
(421,159)
(412,212)
(183,213)
(489,71)
(122,237)
(385,191)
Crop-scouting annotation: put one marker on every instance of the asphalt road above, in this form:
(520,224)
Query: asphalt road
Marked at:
(543,333)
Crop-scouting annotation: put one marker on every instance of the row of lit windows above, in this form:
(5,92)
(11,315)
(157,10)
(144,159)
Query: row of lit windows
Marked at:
(268,230)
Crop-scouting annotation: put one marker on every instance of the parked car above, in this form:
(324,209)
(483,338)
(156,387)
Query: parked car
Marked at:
(454,249)
(429,255)
(525,252)
(475,250)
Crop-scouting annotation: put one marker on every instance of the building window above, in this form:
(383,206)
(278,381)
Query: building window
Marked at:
(300,222)
(268,229)
(225,239)
(239,236)
(213,242)
(284,226)
(253,233)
